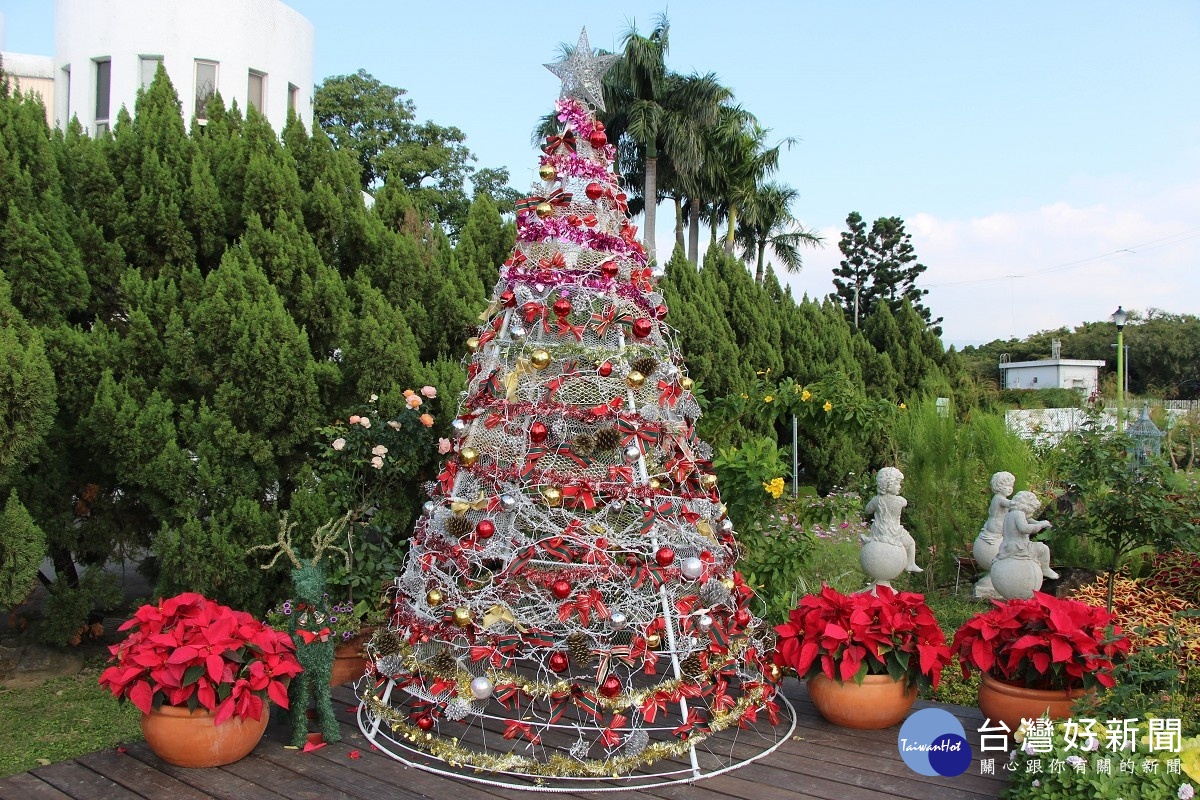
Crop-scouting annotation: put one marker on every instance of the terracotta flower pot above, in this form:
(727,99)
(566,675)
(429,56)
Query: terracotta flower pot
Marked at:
(878,702)
(349,664)
(1007,703)
(189,738)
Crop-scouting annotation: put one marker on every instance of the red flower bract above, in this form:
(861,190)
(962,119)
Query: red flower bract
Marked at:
(191,651)
(1042,643)
(849,637)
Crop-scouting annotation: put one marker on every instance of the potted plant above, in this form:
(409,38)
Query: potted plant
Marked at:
(864,655)
(1037,656)
(337,622)
(201,673)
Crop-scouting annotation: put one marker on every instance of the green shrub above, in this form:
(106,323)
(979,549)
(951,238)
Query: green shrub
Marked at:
(22,548)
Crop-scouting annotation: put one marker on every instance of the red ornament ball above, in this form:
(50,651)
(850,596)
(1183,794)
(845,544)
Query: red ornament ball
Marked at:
(706,556)
(660,311)
(611,686)
(609,269)
(594,191)
(642,327)
(558,662)
(425,722)
(485,529)
(538,433)
(605,369)
(597,139)
(742,617)
(508,298)
(665,556)
(562,307)
(561,589)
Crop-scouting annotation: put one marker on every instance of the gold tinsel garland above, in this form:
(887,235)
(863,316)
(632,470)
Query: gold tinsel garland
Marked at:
(557,765)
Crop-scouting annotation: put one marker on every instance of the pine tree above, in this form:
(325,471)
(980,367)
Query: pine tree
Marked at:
(573,575)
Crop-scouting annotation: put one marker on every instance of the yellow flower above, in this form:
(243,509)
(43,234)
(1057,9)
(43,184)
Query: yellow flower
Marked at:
(769,398)
(828,406)
(774,487)
(806,395)
(902,405)
(745,396)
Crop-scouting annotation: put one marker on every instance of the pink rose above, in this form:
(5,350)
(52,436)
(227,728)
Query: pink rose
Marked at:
(379,450)
(364,421)
(354,418)
(444,446)
(339,443)
(427,420)
(377,462)
(429,392)
(414,401)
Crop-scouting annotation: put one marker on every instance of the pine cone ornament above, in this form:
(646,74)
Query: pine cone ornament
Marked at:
(607,439)
(691,665)
(583,444)
(385,643)
(645,365)
(458,527)
(579,648)
(443,663)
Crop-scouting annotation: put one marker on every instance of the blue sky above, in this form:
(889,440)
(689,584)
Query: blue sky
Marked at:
(1045,156)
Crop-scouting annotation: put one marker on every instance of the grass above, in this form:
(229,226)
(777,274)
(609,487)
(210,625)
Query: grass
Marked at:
(63,718)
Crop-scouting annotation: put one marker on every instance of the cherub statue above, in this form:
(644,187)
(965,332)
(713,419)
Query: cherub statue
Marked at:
(1021,564)
(886,508)
(987,543)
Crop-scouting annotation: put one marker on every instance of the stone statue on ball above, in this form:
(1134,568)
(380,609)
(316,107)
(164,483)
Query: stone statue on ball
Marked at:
(887,549)
(1021,563)
(987,543)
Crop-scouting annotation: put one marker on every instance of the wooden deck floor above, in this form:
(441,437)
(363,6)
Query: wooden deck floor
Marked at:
(820,761)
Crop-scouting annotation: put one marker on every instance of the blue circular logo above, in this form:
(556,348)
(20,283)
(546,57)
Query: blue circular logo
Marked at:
(932,742)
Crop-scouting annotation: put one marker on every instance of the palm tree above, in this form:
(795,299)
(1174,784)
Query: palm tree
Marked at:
(743,163)
(767,221)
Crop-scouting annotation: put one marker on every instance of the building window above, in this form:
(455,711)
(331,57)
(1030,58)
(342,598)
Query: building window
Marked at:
(67,105)
(147,66)
(206,86)
(293,98)
(256,91)
(103,89)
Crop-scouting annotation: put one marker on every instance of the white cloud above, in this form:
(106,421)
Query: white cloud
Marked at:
(1014,273)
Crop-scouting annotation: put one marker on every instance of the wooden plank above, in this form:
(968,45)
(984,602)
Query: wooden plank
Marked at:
(24,786)
(139,777)
(285,781)
(76,780)
(215,783)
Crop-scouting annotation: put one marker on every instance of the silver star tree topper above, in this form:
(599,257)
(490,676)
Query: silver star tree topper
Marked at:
(582,71)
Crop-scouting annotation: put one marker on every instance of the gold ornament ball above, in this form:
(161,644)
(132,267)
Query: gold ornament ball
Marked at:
(728,584)
(655,484)
(473,344)
(635,379)
(468,456)
(544,210)
(462,617)
(686,383)
(653,640)
(540,359)
(434,598)
(547,172)
(774,673)
(708,480)
(553,495)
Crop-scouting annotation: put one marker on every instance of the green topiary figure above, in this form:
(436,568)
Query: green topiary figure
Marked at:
(314,647)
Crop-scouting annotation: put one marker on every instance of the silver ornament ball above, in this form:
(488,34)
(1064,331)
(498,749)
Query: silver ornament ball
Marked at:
(481,688)
(632,452)
(617,621)
(508,502)
(705,622)
(517,333)
(692,568)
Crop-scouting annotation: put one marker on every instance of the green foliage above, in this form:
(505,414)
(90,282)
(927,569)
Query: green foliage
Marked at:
(27,389)
(947,467)
(744,473)
(1104,495)
(22,548)
(68,606)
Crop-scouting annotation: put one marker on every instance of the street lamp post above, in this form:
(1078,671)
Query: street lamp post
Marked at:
(1119,316)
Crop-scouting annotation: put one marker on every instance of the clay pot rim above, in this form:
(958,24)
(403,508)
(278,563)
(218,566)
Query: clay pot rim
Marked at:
(1010,687)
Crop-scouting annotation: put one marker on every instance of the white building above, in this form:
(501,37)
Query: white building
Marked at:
(1052,373)
(257,52)
(35,74)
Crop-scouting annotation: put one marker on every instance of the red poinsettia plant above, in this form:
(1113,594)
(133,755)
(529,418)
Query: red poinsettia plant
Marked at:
(847,637)
(192,651)
(1044,642)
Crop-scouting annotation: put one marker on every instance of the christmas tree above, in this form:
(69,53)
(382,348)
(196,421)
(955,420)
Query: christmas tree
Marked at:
(570,606)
